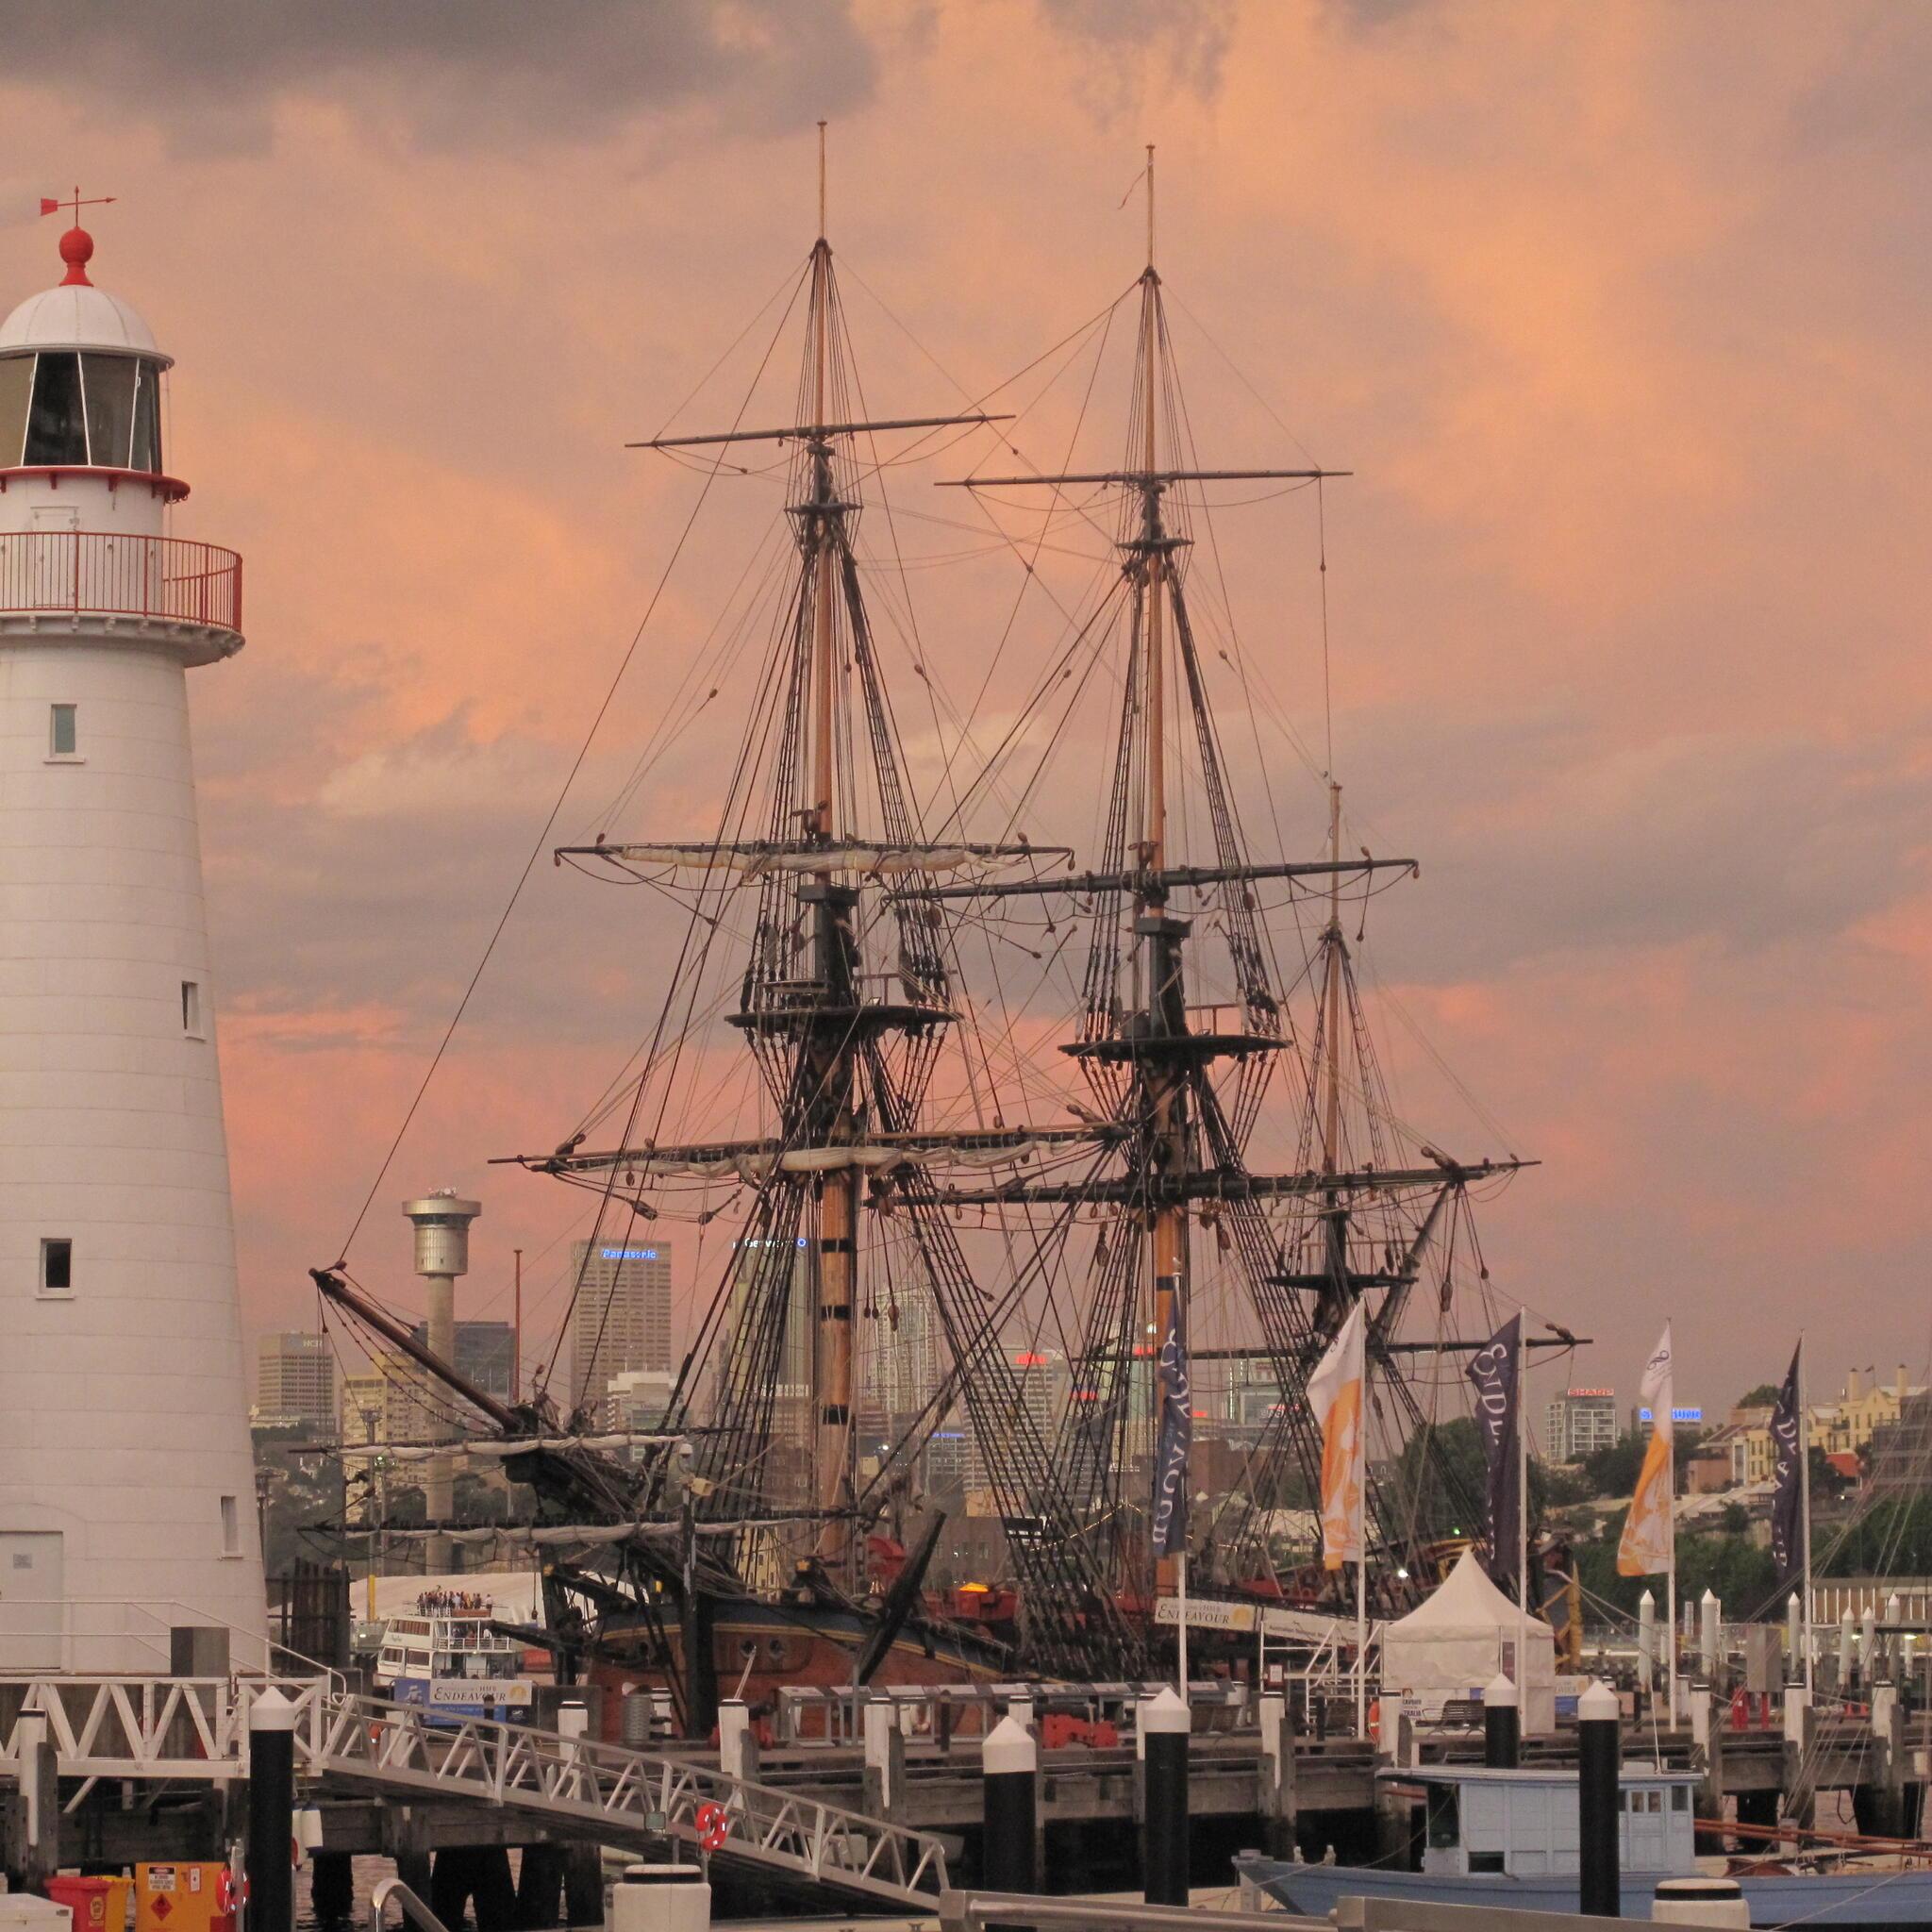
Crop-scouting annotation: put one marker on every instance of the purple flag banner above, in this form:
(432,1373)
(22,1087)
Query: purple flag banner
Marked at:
(1498,1415)
(1788,1449)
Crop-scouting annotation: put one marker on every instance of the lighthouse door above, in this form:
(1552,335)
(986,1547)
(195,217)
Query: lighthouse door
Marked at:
(55,557)
(31,1599)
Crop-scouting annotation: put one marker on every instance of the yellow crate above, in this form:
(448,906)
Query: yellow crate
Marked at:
(179,1898)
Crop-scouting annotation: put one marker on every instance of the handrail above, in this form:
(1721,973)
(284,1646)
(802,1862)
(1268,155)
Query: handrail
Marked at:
(103,572)
(412,1908)
(969,1911)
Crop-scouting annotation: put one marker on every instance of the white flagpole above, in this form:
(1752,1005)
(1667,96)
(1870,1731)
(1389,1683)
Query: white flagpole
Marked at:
(1671,1524)
(1522,1531)
(1362,1643)
(1804,1513)
(1182,1603)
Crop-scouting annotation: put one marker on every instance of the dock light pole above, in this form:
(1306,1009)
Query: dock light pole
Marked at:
(1599,1753)
(1165,1851)
(1006,1763)
(1502,1724)
(270,1870)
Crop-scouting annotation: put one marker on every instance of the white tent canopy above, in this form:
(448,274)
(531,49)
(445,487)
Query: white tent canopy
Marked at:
(1463,1636)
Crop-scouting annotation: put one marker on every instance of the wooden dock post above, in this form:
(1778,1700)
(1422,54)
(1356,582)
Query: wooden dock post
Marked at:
(33,1838)
(1800,1778)
(885,1758)
(1708,1713)
(1277,1767)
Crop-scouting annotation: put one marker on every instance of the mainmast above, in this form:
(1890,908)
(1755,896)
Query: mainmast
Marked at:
(836,1202)
(1167,1096)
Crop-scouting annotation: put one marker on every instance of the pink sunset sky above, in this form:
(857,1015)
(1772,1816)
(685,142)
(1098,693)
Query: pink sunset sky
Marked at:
(1619,315)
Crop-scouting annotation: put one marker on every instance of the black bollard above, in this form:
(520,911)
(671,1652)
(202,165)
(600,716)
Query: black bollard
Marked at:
(1164,1855)
(1599,1765)
(1501,1725)
(1006,1762)
(270,1872)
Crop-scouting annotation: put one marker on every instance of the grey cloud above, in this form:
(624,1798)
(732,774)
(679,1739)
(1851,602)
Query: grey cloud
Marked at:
(450,73)
(1191,35)
(1537,841)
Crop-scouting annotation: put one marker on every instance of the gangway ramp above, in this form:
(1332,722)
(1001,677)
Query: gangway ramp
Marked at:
(134,1727)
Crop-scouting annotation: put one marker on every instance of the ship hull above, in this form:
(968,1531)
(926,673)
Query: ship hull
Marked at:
(1832,1898)
(759,1649)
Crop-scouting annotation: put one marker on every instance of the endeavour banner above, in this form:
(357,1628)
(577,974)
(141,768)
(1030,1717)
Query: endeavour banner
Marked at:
(1498,1415)
(1789,1449)
(1177,1439)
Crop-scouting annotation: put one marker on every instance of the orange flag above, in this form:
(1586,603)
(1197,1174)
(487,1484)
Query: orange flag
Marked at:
(1335,1395)
(1649,1529)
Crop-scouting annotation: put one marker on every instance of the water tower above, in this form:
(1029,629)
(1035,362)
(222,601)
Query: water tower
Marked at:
(441,1222)
(127,1481)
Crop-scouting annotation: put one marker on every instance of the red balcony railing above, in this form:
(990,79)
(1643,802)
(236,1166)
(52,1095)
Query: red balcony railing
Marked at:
(99,573)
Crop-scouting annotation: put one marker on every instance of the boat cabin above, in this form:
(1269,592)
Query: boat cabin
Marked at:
(1523,1823)
(444,1652)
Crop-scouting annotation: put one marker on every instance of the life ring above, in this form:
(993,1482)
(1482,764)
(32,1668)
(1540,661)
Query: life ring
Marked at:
(713,1825)
(1375,1720)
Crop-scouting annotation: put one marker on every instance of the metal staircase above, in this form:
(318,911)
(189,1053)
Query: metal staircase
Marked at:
(153,1728)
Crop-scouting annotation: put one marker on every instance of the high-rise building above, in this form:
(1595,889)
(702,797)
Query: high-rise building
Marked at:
(127,1473)
(485,1355)
(640,1400)
(796,1377)
(622,1316)
(900,1347)
(295,1380)
(1045,1383)
(1579,1422)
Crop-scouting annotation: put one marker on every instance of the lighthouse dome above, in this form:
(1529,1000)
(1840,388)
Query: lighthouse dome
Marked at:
(78,317)
(79,378)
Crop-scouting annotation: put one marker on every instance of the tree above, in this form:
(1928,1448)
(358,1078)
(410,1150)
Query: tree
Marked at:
(1613,1472)
(1764,1397)
(1742,1575)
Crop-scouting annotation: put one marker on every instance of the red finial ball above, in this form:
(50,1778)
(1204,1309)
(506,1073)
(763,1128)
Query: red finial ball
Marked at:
(76,250)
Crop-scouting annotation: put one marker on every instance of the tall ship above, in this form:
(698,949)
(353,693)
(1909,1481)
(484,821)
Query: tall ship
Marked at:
(998,1132)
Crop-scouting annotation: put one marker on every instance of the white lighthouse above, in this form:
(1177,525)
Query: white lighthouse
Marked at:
(126,1482)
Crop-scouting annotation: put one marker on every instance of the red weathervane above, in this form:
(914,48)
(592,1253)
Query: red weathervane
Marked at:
(77,245)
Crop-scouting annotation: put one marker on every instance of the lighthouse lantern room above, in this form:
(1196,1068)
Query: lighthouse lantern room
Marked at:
(128,1504)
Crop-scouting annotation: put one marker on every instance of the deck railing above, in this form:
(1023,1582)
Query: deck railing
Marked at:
(99,573)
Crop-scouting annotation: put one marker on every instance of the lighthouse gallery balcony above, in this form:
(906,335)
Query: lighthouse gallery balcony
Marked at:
(167,580)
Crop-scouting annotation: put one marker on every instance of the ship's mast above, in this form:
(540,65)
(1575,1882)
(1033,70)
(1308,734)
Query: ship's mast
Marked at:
(1166,1003)
(836,1197)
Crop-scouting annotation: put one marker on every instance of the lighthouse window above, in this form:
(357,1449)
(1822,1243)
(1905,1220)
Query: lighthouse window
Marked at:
(16,385)
(190,1009)
(55,427)
(56,1267)
(231,1526)
(64,738)
(108,383)
(147,453)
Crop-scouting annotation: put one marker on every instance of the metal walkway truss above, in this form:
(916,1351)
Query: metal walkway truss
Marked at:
(198,1728)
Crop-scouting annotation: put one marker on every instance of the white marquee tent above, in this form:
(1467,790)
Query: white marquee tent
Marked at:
(1452,1644)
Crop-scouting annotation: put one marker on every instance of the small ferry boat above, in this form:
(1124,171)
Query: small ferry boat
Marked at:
(442,1654)
(1509,1839)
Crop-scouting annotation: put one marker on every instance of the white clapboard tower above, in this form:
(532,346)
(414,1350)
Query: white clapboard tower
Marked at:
(128,1500)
